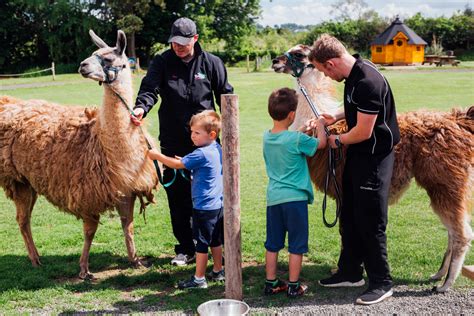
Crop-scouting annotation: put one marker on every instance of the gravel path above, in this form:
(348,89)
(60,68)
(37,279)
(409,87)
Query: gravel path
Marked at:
(404,301)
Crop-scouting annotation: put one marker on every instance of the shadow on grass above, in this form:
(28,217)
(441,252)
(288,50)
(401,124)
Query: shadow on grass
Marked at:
(158,283)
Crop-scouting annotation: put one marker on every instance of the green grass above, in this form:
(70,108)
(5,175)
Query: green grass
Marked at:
(416,238)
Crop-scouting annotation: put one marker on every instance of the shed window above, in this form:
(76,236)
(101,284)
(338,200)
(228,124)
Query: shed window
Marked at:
(399,43)
(378,49)
(418,48)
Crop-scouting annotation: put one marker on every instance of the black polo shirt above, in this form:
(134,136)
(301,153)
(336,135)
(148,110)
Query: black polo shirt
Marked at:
(185,89)
(367,91)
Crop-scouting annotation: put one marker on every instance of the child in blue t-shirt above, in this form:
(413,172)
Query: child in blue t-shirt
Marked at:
(289,189)
(205,164)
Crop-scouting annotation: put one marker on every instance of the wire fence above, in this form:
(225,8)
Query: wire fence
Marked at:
(52,69)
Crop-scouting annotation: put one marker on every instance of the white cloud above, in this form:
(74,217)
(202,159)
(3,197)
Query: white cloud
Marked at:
(307,12)
(304,13)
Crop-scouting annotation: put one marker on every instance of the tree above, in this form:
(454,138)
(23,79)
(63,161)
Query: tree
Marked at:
(128,15)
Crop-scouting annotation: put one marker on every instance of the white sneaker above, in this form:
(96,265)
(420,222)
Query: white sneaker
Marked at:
(181,259)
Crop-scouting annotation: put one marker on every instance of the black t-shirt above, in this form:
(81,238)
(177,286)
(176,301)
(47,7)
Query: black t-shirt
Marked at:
(185,89)
(367,91)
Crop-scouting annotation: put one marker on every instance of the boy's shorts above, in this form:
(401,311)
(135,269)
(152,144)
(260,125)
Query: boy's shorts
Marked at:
(291,217)
(208,229)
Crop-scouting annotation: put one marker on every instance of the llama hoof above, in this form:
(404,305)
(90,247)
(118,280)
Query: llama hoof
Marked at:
(140,264)
(436,277)
(36,263)
(438,289)
(86,276)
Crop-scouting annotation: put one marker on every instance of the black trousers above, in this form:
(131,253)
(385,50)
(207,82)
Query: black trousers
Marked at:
(181,208)
(366,184)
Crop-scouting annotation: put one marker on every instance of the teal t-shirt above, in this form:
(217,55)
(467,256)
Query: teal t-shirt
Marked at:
(285,159)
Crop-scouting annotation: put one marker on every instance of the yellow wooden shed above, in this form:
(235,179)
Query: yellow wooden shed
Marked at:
(398,45)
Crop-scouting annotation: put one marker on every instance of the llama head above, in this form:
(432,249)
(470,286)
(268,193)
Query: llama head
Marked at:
(294,61)
(106,63)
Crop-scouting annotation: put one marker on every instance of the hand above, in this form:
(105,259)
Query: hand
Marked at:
(153,154)
(137,116)
(332,141)
(329,118)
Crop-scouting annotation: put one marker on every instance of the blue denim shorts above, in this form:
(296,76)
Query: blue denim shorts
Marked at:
(291,217)
(208,229)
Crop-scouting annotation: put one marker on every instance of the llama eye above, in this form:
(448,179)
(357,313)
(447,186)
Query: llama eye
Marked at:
(108,60)
(298,55)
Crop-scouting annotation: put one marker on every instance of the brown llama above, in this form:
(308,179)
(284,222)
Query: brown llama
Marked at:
(436,148)
(84,161)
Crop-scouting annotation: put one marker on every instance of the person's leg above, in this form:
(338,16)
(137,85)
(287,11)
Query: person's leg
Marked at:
(276,233)
(350,259)
(372,207)
(217,258)
(271,261)
(297,223)
(295,263)
(202,236)
(180,205)
(201,265)
(217,240)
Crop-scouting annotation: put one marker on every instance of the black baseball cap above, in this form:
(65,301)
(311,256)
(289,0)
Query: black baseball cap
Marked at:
(182,31)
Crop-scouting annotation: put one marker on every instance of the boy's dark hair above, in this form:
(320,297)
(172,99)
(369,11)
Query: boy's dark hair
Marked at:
(281,102)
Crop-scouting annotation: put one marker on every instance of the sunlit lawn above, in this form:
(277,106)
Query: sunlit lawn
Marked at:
(416,238)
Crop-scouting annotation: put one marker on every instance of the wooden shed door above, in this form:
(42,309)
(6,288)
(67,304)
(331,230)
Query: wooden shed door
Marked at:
(399,48)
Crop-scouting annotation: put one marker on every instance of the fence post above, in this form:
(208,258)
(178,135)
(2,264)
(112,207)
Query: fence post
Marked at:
(53,70)
(231,175)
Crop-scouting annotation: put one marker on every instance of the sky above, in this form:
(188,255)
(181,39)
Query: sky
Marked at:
(310,12)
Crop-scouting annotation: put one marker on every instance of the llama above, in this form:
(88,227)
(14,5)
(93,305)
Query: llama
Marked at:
(436,148)
(84,161)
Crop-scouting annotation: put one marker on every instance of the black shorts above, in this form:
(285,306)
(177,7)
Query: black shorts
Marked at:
(208,229)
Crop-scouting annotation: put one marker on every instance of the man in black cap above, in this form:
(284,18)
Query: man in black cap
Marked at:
(189,80)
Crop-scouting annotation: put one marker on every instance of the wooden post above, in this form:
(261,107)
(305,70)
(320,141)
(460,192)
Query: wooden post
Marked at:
(53,70)
(231,174)
(248,63)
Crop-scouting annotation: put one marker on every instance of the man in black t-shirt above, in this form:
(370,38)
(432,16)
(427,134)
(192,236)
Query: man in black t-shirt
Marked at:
(187,79)
(369,110)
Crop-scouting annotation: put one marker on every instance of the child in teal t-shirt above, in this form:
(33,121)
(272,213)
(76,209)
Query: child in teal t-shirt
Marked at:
(289,189)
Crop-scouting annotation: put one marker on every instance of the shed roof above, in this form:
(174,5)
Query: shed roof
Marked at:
(386,37)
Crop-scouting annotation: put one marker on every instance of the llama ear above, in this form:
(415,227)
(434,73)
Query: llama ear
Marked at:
(121,42)
(97,40)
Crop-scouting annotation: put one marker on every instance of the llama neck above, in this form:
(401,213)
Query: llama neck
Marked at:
(321,91)
(118,136)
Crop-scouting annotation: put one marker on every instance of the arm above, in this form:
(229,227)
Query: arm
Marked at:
(171,162)
(333,118)
(219,82)
(362,131)
(149,89)
(320,123)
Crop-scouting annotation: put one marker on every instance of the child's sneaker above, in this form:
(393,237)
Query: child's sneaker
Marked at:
(273,287)
(192,284)
(217,276)
(296,289)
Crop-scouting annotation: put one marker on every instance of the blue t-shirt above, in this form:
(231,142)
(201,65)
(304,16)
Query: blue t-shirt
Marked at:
(285,159)
(205,164)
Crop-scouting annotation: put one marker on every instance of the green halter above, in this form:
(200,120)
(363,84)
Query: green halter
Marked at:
(296,65)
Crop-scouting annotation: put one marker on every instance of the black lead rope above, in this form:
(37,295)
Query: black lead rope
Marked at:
(148,144)
(335,155)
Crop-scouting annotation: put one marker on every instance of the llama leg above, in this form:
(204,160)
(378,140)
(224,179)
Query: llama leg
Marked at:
(446,261)
(462,235)
(25,197)
(125,209)
(90,227)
